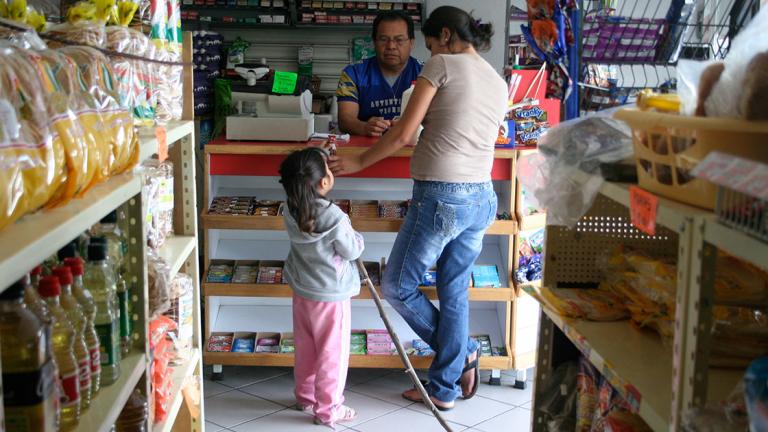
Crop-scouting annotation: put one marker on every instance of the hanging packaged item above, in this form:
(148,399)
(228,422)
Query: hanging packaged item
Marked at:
(158,186)
(136,80)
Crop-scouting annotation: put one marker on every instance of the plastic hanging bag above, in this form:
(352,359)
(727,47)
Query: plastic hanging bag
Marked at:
(564,176)
(159,276)
(137,80)
(558,398)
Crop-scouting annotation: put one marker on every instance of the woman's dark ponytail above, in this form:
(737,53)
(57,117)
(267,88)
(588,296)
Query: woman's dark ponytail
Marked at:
(461,25)
(482,33)
(300,174)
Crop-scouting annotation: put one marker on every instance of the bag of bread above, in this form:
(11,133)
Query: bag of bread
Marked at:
(170,87)
(136,80)
(32,165)
(115,122)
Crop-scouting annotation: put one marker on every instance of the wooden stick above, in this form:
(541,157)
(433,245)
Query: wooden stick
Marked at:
(400,350)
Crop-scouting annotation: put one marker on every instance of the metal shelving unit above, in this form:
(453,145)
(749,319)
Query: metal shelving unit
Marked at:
(658,380)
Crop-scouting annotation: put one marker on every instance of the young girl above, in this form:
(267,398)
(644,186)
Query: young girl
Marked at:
(320,271)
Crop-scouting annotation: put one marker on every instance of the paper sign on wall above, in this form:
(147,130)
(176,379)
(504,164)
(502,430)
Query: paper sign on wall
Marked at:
(285,82)
(642,208)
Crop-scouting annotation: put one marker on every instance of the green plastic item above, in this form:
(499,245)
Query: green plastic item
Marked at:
(222,92)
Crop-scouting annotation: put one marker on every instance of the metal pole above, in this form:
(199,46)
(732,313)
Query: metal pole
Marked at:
(400,350)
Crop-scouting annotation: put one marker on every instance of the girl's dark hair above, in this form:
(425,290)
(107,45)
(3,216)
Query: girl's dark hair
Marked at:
(300,173)
(461,25)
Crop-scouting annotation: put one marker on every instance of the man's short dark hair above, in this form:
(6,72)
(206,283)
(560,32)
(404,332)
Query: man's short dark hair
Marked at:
(391,16)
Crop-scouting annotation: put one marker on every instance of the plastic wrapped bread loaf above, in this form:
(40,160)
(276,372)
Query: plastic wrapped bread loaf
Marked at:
(115,121)
(136,80)
(32,167)
(90,33)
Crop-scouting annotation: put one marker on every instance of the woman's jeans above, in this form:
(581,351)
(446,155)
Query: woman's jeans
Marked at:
(445,223)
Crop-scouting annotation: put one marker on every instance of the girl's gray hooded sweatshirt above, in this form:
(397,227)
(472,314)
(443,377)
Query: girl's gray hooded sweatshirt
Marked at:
(319,265)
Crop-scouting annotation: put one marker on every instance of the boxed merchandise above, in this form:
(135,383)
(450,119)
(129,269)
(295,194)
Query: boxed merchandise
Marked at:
(421,348)
(244,342)
(268,342)
(393,209)
(270,272)
(485,344)
(378,342)
(357,345)
(266,208)
(246,272)
(365,209)
(485,276)
(225,205)
(344,205)
(220,342)
(287,344)
(220,271)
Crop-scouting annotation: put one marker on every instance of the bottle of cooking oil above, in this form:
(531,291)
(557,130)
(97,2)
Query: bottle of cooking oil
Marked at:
(77,321)
(32,298)
(100,280)
(117,246)
(63,339)
(123,298)
(85,299)
(31,398)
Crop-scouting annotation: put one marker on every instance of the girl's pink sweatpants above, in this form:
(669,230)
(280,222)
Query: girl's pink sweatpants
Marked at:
(321,332)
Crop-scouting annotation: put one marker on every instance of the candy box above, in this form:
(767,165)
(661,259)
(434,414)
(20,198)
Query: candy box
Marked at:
(220,342)
(485,276)
(268,342)
(270,272)
(429,278)
(220,271)
(485,344)
(358,342)
(529,112)
(287,344)
(244,342)
(245,272)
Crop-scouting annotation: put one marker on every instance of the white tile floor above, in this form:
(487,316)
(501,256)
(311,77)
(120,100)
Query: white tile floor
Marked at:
(251,399)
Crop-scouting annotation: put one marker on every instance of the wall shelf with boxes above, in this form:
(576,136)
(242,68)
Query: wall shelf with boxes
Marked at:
(692,366)
(292,13)
(243,226)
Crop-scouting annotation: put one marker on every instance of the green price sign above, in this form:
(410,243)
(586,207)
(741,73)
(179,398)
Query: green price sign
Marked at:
(285,82)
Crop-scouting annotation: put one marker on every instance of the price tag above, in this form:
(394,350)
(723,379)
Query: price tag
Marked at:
(285,82)
(162,143)
(642,209)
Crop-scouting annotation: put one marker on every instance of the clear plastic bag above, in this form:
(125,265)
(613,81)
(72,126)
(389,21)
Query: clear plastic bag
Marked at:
(32,161)
(170,88)
(159,276)
(727,95)
(90,33)
(564,176)
(158,184)
(558,398)
(589,304)
(137,80)
(729,415)
(113,122)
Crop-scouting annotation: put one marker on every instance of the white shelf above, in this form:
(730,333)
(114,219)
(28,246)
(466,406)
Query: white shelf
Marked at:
(176,251)
(736,243)
(279,318)
(180,374)
(35,237)
(109,402)
(175,130)
(631,358)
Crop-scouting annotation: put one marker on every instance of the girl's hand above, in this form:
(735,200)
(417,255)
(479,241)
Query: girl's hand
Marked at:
(348,164)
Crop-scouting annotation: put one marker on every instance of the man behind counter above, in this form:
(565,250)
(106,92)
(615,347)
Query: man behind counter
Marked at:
(370,92)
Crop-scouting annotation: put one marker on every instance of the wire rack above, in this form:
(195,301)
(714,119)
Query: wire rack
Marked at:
(627,45)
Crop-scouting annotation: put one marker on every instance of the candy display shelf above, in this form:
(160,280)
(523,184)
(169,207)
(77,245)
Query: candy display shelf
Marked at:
(249,169)
(661,380)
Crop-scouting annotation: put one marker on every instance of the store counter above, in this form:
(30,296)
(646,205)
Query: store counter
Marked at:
(263,158)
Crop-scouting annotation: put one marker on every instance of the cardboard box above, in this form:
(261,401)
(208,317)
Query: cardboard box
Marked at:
(246,272)
(268,342)
(485,276)
(378,342)
(358,342)
(220,342)
(220,271)
(270,272)
(244,342)
(484,340)
(287,343)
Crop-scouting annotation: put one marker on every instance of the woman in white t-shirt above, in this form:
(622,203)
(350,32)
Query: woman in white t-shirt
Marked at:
(461,101)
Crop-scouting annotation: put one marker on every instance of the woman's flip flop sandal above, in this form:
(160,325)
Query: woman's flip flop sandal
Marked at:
(413,395)
(472,365)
